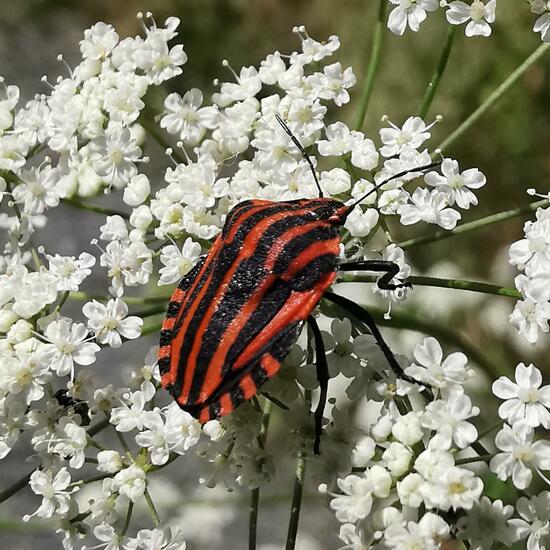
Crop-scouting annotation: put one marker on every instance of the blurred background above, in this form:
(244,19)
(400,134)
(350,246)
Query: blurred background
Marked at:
(510,144)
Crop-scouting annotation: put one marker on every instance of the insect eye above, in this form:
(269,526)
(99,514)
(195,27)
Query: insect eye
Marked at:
(335,219)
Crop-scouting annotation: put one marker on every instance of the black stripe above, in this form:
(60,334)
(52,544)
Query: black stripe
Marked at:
(165,337)
(164,364)
(312,272)
(301,243)
(188,279)
(237,396)
(172,310)
(258,375)
(215,410)
(234,215)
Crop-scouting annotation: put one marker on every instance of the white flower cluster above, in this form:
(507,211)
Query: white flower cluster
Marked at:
(478,15)
(415,464)
(531,255)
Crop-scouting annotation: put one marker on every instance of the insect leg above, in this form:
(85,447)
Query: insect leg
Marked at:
(302,150)
(363,315)
(323,377)
(390,270)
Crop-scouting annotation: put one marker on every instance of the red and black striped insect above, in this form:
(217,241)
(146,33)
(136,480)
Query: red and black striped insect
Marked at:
(234,317)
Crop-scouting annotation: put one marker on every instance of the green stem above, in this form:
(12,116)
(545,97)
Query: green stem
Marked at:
(490,429)
(92,479)
(127,520)
(476,224)
(495,96)
(76,203)
(150,328)
(151,507)
(472,459)
(402,320)
(374,62)
(16,487)
(253,518)
(296,501)
(439,70)
(124,445)
(458,284)
(150,312)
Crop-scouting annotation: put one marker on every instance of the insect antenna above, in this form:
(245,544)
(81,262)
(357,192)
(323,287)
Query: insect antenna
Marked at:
(349,207)
(302,150)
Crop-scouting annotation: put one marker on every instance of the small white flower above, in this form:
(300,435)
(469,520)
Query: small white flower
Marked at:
(154,437)
(109,461)
(430,208)
(178,263)
(410,490)
(456,185)
(109,322)
(448,417)
(360,223)
(67,344)
(70,440)
(34,291)
(525,399)
(363,452)
(535,521)
(130,482)
(99,41)
(437,373)
(183,116)
(127,418)
(114,155)
(409,12)
(407,428)
(356,501)
(519,454)
(158,539)
(182,430)
(137,190)
(56,499)
(411,135)
(479,15)
(397,458)
(457,488)
(69,271)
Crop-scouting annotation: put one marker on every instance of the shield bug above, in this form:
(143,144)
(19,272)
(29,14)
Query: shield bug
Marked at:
(234,317)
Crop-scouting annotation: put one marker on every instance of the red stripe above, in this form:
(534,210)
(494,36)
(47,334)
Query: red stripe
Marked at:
(248,386)
(285,238)
(314,250)
(164,352)
(204,415)
(168,323)
(226,406)
(270,365)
